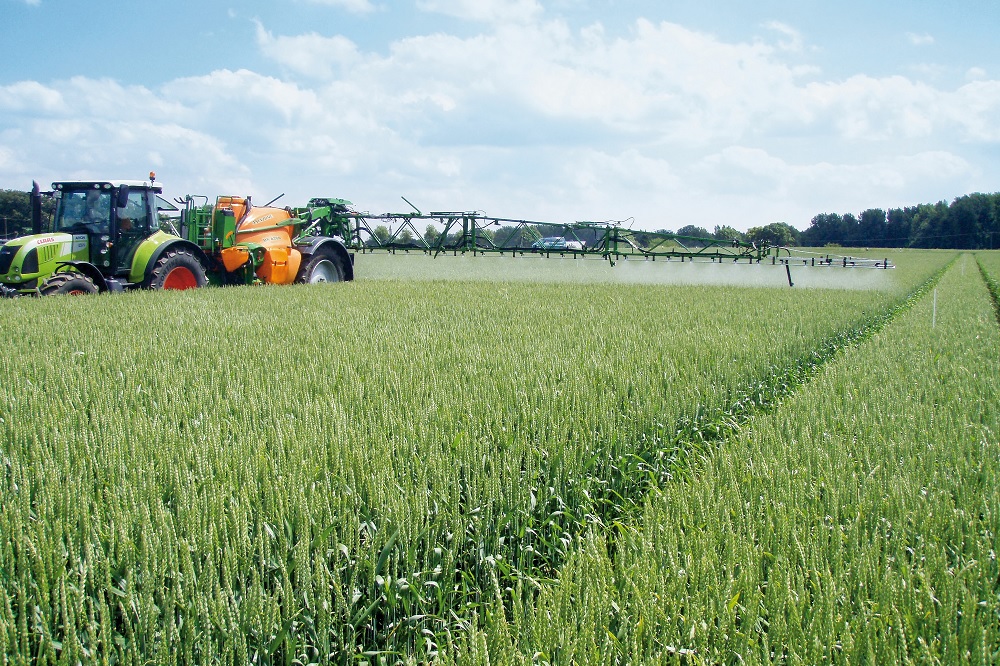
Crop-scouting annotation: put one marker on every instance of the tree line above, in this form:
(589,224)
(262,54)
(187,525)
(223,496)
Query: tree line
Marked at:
(970,222)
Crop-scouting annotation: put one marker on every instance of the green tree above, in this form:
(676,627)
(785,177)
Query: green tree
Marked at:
(929,226)
(824,229)
(971,220)
(694,231)
(776,233)
(850,230)
(898,224)
(726,232)
(381,235)
(405,237)
(15,212)
(431,234)
(872,228)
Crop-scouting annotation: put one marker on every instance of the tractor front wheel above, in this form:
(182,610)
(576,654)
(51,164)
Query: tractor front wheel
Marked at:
(324,266)
(70,283)
(177,269)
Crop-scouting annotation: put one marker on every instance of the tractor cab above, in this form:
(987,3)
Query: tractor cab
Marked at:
(106,218)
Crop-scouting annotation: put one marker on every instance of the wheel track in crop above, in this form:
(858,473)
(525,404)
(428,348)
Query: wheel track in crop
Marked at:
(696,434)
(610,497)
(669,453)
(992,285)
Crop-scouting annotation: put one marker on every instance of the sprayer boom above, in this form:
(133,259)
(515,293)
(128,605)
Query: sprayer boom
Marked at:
(477,233)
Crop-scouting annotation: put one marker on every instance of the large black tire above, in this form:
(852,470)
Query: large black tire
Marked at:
(324,266)
(176,270)
(68,282)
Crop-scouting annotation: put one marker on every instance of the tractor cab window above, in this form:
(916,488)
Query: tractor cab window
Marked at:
(134,217)
(133,227)
(87,211)
(168,216)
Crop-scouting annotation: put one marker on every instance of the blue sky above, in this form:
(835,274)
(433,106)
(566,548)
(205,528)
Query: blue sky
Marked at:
(661,113)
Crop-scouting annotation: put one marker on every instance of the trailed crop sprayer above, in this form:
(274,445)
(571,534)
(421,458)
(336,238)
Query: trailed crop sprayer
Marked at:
(118,235)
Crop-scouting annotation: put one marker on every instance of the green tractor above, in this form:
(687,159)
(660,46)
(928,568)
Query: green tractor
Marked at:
(104,236)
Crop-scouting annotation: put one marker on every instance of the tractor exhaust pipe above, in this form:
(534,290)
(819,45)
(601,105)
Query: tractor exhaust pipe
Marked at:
(36,208)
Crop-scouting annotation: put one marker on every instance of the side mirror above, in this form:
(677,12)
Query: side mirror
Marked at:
(122,199)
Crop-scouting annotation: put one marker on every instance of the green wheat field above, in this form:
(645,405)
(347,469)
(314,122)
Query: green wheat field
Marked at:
(509,461)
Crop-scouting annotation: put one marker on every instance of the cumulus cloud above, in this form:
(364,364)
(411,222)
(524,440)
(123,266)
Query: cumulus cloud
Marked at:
(682,84)
(355,6)
(746,184)
(30,96)
(792,38)
(975,108)
(877,109)
(487,11)
(922,39)
(9,161)
(80,128)
(310,54)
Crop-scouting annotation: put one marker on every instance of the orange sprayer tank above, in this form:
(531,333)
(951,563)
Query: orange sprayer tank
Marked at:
(263,226)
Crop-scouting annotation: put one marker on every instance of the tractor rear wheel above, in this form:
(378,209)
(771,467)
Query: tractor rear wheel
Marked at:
(68,282)
(175,270)
(324,266)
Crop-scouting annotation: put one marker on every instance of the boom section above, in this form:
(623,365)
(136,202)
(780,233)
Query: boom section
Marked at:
(474,232)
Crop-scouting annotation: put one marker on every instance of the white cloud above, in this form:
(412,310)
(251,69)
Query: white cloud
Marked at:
(240,98)
(681,84)
(975,107)
(9,161)
(922,39)
(876,109)
(792,38)
(354,6)
(310,54)
(487,11)
(30,96)
(774,189)
(975,74)
(929,71)
(533,119)
(97,128)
